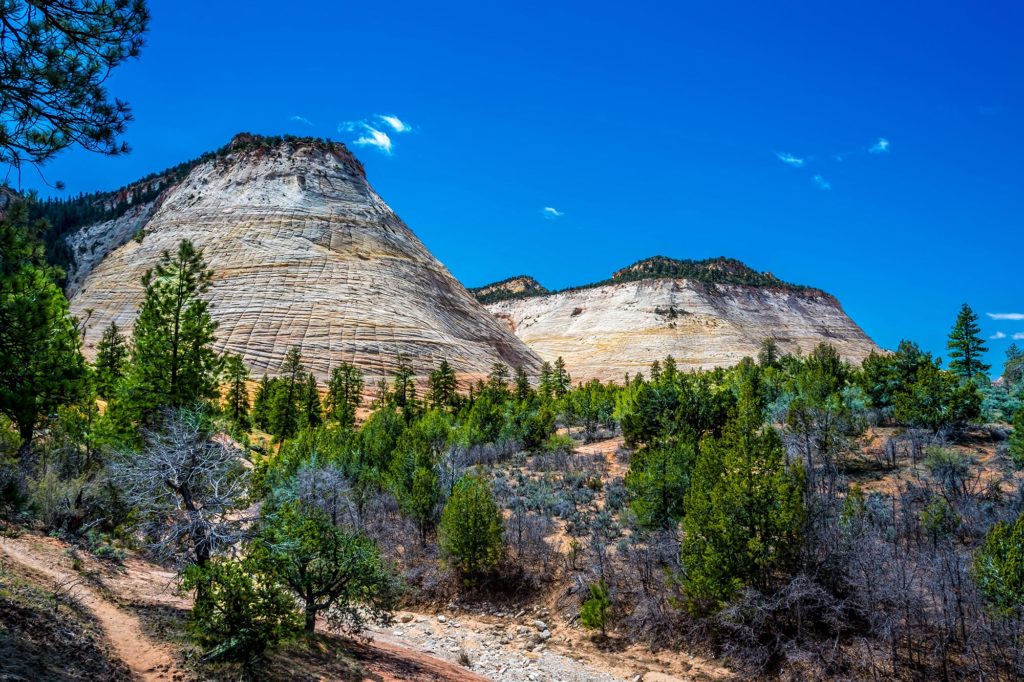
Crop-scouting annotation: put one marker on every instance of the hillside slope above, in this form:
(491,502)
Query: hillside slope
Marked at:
(643,314)
(305,254)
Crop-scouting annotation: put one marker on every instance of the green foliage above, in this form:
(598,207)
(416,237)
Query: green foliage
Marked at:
(744,513)
(1016,444)
(966,346)
(1013,368)
(936,399)
(471,531)
(403,387)
(590,405)
(594,614)
(885,375)
(330,570)
(111,357)
(999,567)
(311,409)
(950,468)
(482,422)
(344,394)
(57,57)
(261,403)
(939,520)
(285,407)
(239,610)
(173,363)
(442,387)
(672,406)
(658,480)
(41,367)
(236,374)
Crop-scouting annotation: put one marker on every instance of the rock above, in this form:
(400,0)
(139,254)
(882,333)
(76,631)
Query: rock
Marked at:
(544,635)
(540,625)
(406,618)
(442,619)
(604,331)
(304,254)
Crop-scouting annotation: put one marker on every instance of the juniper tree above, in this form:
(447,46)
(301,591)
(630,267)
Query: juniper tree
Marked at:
(111,357)
(173,363)
(497,379)
(1013,368)
(41,366)
(561,381)
(966,347)
(403,388)
(546,387)
(54,62)
(330,570)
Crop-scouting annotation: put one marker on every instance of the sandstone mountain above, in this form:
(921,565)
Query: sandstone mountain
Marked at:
(703,313)
(304,254)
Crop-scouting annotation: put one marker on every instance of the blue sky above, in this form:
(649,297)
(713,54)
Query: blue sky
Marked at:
(870,149)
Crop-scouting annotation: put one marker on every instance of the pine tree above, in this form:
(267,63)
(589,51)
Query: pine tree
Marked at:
(111,357)
(41,366)
(57,56)
(236,374)
(497,380)
(1013,368)
(173,363)
(547,387)
(442,387)
(403,389)
(311,409)
(966,347)
(284,407)
(344,393)
(561,381)
(523,390)
(262,402)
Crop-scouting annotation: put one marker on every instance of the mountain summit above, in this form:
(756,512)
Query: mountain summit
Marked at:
(304,254)
(705,313)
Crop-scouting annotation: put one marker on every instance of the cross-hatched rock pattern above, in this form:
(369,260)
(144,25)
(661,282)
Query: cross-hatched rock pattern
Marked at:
(304,254)
(605,331)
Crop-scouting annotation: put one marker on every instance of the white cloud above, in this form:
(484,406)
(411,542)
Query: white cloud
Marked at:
(372,137)
(397,124)
(789,159)
(301,119)
(997,336)
(822,183)
(551,213)
(880,147)
(1006,316)
(1019,336)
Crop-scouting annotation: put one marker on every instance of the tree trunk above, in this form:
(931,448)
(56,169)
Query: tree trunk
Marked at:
(310,617)
(26,431)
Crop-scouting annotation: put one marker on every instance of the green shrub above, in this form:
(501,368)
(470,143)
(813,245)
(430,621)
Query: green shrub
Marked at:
(239,610)
(999,567)
(470,534)
(1017,439)
(950,468)
(594,614)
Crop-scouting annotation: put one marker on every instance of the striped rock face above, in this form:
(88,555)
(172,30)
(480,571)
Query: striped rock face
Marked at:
(304,254)
(605,331)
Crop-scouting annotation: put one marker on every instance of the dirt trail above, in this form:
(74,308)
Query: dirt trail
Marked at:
(138,581)
(147,659)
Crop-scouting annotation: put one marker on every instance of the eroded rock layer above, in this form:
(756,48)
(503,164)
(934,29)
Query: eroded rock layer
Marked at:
(605,331)
(304,254)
